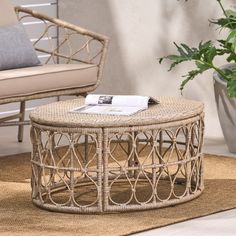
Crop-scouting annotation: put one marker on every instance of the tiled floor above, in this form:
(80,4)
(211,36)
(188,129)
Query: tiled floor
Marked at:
(222,224)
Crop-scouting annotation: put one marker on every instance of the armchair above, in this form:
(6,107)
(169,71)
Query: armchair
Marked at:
(73,66)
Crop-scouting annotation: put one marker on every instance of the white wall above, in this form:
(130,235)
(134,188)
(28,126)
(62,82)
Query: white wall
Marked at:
(140,32)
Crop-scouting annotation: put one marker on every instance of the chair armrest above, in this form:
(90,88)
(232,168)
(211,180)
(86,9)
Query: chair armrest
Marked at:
(74,44)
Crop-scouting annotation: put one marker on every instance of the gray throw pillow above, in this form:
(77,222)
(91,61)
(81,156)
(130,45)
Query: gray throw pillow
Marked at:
(16,50)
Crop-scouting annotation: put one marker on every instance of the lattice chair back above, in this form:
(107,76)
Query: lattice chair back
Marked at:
(62,42)
(72,43)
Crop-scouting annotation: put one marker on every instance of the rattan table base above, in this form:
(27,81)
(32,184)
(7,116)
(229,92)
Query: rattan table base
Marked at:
(114,169)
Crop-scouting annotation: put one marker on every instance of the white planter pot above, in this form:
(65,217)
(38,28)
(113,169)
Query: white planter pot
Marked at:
(226,108)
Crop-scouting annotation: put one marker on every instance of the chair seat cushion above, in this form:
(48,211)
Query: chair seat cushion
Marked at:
(46,78)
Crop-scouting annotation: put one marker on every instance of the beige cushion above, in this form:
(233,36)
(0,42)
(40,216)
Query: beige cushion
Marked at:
(37,79)
(7,13)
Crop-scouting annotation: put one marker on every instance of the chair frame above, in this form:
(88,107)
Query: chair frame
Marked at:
(56,56)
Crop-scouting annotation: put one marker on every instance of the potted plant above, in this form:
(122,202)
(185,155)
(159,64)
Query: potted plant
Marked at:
(224,76)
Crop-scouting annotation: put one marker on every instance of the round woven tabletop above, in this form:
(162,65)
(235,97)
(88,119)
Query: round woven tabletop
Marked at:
(169,109)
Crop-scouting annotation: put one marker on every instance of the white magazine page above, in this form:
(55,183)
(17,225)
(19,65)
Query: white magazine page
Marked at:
(114,104)
(132,101)
(117,100)
(107,110)
(92,99)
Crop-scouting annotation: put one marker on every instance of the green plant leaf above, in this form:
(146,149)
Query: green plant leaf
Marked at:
(226,49)
(201,65)
(232,39)
(230,13)
(227,22)
(210,54)
(185,54)
(190,76)
(231,87)
(202,56)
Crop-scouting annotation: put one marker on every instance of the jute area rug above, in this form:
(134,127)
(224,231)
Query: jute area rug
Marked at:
(19,217)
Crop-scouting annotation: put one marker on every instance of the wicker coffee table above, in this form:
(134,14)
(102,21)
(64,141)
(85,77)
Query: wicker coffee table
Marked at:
(98,163)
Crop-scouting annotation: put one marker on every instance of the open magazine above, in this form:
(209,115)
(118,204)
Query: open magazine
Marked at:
(114,104)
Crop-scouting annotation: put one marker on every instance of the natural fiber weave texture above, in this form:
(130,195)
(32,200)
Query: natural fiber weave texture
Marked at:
(169,109)
(62,182)
(19,217)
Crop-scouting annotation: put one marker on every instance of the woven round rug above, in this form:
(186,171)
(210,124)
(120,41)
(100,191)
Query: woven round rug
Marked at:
(20,217)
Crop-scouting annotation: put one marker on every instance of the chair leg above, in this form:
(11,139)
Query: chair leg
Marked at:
(21,119)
